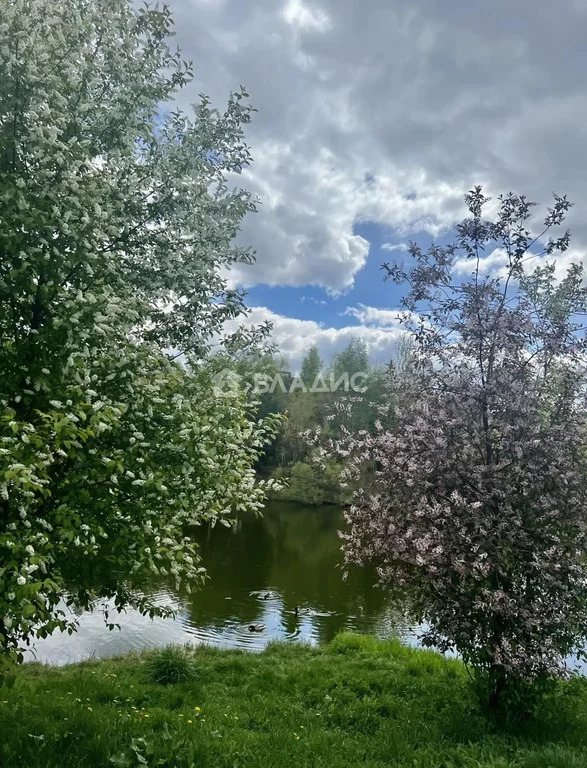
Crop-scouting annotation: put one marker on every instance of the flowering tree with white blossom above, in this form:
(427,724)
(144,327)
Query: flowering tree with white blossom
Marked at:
(477,518)
(117,227)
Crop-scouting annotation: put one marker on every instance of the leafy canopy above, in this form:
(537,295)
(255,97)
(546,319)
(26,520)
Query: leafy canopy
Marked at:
(477,518)
(311,366)
(116,228)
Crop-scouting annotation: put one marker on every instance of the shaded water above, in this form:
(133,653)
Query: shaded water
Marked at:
(259,574)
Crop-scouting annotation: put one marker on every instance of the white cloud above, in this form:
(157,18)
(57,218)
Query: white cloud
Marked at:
(304,232)
(373,316)
(294,337)
(491,264)
(495,263)
(305,16)
(297,244)
(394,247)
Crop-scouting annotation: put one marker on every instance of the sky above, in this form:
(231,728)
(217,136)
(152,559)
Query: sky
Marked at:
(374,118)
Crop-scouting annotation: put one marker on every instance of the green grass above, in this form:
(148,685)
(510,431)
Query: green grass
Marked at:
(355,702)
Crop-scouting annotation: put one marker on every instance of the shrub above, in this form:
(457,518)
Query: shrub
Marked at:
(477,517)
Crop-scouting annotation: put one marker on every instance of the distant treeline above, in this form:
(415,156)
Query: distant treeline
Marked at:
(347,392)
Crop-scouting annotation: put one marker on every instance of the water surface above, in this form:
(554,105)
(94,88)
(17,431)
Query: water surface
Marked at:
(282,571)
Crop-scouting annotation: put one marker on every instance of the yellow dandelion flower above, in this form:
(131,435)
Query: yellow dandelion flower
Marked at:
(189,721)
(91,710)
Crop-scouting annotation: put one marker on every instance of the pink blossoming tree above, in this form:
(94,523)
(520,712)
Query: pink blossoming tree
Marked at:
(477,517)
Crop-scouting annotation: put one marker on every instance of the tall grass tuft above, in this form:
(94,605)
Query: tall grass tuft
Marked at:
(170,666)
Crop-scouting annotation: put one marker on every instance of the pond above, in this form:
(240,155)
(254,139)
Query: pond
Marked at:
(282,571)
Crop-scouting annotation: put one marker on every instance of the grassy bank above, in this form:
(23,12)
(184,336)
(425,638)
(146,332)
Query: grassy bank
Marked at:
(355,702)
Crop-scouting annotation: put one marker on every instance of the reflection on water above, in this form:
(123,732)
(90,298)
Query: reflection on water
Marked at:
(281,571)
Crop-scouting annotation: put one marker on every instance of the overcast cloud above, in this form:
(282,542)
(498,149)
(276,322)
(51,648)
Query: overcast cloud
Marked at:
(386,112)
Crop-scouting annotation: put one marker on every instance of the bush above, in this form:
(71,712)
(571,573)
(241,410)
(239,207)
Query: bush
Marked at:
(476,517)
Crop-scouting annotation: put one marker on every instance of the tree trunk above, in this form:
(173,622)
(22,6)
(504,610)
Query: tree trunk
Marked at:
(498,682)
